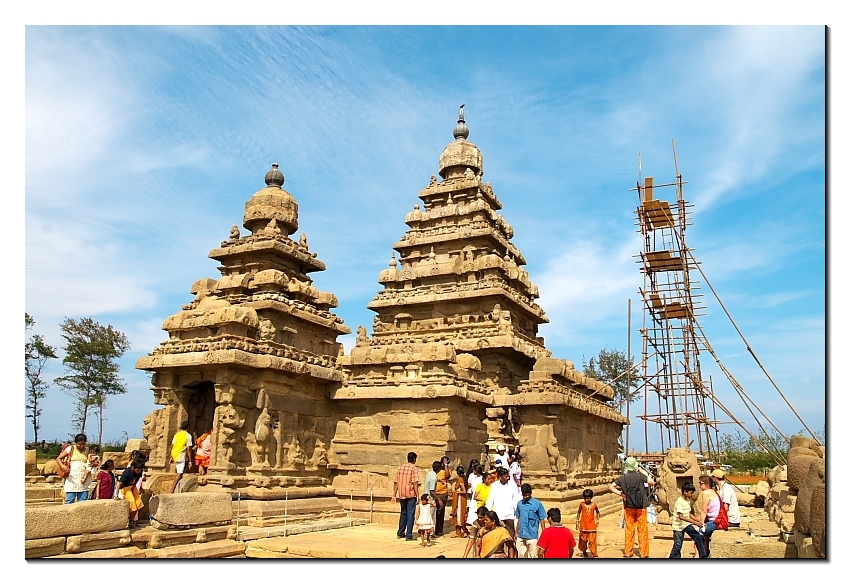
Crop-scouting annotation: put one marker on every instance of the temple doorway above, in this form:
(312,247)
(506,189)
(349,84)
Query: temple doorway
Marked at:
(201,408)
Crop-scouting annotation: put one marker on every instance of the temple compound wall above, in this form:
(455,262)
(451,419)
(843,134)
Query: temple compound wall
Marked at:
(454,364)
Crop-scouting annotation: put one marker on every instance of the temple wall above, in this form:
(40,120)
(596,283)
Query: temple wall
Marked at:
(376,435)
(560,440)
(262,421)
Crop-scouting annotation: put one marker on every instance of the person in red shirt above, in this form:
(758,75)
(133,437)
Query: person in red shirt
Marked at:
(556,542)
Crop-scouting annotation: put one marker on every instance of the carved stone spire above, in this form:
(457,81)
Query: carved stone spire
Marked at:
(461,131)
(274,177)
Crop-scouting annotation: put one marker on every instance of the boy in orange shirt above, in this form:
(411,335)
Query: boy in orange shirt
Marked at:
(587,521)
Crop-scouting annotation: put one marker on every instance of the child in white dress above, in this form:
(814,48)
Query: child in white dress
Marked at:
(425,511)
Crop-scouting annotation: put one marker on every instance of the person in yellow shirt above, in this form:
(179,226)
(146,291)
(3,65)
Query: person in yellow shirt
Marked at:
(181,453)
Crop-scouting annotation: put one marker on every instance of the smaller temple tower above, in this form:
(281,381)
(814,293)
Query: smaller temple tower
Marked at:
(251,358)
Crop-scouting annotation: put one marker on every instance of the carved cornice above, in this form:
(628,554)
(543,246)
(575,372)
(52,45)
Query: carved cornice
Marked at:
(227,349)
(460,291)
(261,242)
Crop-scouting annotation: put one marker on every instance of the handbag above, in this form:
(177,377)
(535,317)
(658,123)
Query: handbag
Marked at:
(722,520)
(64,470)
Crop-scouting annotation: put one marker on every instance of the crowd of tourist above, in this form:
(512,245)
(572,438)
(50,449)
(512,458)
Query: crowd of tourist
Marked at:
(491,507)
(497,513)
(86,478)
(490,504)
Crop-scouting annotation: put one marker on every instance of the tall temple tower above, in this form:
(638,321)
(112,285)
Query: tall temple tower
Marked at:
(455,364)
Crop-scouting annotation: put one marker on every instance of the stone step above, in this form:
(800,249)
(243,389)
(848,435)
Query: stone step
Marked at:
(292,519)
(257,532)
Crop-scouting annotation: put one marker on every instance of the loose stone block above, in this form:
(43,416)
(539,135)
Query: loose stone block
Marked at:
(765,549)
(762,490)
(813,478)
(120,553)
(80,518)
(30,463)
(805,548)
(43,494)
(764,528)
(817,518)
(210,550)
(798,469)
(50,468)
(44,547)
(97,541)
(190,509)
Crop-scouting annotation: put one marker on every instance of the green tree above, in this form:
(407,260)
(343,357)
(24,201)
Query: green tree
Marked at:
(611,367)
(36,354)
(745,454)
(91,351)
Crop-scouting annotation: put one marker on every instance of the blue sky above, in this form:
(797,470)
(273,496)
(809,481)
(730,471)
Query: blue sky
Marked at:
(143,144)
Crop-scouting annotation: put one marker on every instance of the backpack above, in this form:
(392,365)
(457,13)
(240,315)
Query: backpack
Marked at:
(635,491)
(722,520)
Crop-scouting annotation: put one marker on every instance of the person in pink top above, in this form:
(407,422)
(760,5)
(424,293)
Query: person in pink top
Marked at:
(709,502)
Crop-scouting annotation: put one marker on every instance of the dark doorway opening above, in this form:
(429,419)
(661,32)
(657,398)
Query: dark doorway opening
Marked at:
(201,408)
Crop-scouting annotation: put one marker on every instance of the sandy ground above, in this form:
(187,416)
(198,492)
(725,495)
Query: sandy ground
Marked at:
(380,541)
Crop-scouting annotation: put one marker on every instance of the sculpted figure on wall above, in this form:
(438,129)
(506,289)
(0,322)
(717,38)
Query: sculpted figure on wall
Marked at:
(320,454)
(362,338)
(234,233)
(555,459)
(293,453)
(272,229)
(259,439)
(267,330)
(231,421)
(153,430)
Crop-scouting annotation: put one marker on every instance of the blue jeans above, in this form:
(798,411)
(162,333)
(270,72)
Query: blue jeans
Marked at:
(709,528)
(679,539)
(71,497)
(408,514)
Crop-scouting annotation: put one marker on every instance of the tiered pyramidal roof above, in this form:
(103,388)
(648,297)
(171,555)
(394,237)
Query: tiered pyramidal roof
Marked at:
(457,288)
(264,303)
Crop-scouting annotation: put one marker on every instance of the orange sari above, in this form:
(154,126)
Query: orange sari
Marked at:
(202,455)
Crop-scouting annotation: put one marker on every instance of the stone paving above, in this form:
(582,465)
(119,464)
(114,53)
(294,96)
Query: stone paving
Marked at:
(379,541)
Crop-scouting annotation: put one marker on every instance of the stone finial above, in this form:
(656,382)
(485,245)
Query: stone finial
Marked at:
(274,177)
(393,262)
(432,255)
(461,131)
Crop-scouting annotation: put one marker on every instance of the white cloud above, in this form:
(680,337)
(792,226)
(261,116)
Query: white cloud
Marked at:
(586,283)
(72,270)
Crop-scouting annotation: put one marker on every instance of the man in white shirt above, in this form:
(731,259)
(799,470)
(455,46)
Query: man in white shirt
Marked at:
(503,499)
(500,460)
(726,491)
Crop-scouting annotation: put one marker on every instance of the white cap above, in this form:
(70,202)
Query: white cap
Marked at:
(500,447)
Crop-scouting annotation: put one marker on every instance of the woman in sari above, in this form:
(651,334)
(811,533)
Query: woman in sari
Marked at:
(496,542)
(203,452)
(459,504)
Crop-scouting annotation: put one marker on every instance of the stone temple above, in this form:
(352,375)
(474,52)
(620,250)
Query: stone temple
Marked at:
(454,364)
